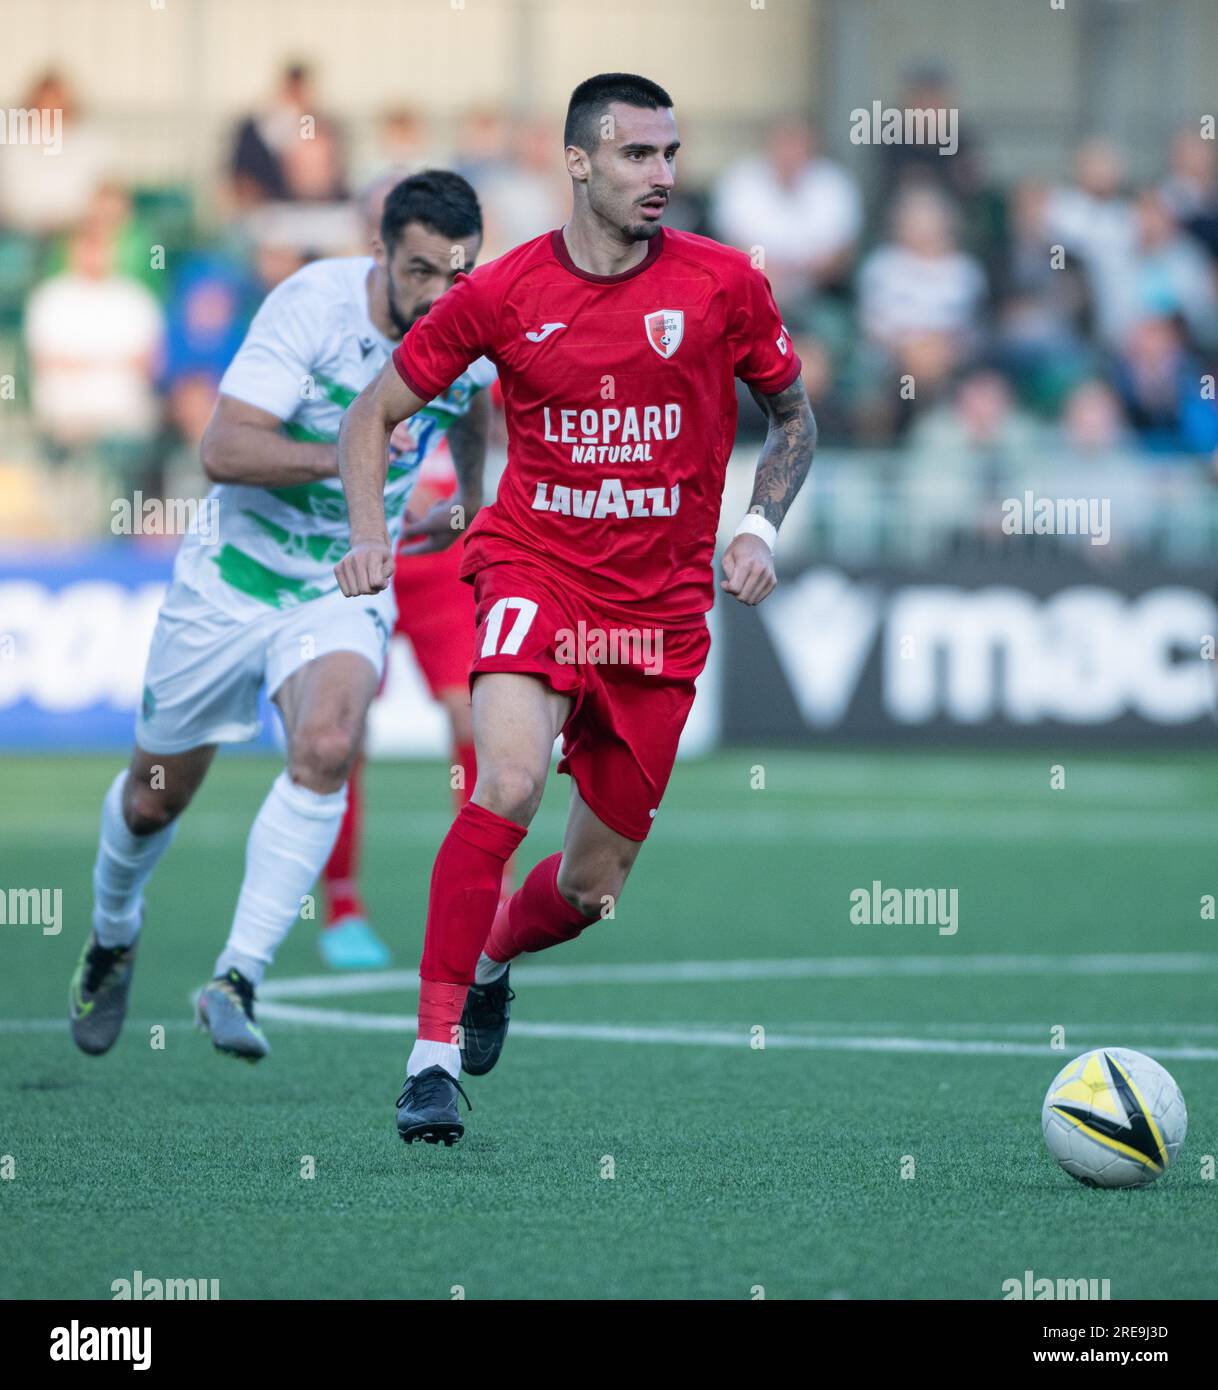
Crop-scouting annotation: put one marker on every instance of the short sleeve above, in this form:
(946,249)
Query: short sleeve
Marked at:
(280,350)
(764,354)
(454,332)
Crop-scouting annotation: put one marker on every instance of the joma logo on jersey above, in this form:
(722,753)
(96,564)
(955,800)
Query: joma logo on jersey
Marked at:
(610,499)
(665,328)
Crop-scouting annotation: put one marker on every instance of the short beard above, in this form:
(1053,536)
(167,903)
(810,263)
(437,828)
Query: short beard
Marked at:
(629,231)
(642,231)
(399,321)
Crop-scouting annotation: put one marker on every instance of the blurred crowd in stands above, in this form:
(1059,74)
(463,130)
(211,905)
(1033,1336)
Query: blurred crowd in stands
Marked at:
(970,324)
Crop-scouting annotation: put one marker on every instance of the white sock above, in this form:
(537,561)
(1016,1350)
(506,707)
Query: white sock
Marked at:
(289,843)
(487,971)
(434,1054)
(123,864)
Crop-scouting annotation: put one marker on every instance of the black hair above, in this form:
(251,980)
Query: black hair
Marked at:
(439,199)
(591,98)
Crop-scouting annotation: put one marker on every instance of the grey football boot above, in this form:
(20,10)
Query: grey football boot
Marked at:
(225,1010)
(97,996)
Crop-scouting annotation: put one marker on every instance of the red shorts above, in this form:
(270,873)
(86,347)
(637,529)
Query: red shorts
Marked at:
(436,612)
(632,686)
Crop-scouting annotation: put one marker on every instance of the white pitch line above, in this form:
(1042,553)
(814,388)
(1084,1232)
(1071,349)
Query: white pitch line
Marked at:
(704,1037)
(804,968)
(1072,1028)
(349,1020)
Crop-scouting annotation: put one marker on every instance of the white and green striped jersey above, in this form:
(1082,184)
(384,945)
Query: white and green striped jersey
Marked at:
(309,352)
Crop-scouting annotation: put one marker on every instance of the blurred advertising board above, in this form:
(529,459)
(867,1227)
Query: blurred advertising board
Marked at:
(994,650)
(977,650)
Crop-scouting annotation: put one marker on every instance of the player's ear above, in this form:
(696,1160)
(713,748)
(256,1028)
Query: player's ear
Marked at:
(379,254)
(577,163)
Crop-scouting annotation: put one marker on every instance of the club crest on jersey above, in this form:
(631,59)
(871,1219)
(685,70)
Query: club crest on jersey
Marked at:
(665,329)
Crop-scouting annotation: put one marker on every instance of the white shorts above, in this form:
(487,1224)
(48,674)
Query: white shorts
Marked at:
(206,667)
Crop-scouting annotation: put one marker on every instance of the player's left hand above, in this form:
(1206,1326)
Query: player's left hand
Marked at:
(748,564)
(444,523)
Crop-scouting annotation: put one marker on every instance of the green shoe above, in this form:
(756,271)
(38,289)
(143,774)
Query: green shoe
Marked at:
(225,1010)
(97,996)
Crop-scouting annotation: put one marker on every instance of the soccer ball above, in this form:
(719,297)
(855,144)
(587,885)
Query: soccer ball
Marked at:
(1114,1118)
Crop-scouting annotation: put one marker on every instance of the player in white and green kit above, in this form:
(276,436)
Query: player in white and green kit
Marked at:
(254,601)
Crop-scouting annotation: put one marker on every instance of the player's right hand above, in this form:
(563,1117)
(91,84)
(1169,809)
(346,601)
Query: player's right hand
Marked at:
(366,568)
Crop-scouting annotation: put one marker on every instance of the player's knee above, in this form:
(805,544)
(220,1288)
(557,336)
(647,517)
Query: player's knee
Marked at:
(321,755)
(510,790)
(592,893)
(147,809)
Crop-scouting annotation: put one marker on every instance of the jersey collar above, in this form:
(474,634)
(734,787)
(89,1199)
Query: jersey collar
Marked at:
(563,256)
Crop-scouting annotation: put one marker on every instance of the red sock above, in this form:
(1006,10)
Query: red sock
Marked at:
(440,1008)
(463,757)
(339,876)
(536,916)
(460,908)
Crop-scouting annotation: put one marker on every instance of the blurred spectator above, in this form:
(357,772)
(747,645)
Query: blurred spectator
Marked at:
(313,167)
(980,425)
(1159,381)
(1093,220)
(928,87)
(1027,261)
(919,295)
(110,219)
(801,209)
(43,189)
(289,152)
(1093,422)
(1191,189)
(207,315)
(963,453)
(1168,274)
(1044,325)
(93,337)
(289,181)
(1092,453)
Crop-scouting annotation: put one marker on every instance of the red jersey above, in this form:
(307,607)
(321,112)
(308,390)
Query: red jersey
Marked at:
(621,410)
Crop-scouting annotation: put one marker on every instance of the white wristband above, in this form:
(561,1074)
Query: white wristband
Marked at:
(755,525)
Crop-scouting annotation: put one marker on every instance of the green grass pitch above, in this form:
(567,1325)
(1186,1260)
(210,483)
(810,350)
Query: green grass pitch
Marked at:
(732,1166)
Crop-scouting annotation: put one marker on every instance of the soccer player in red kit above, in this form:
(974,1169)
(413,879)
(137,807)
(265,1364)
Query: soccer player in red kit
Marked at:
(616,342)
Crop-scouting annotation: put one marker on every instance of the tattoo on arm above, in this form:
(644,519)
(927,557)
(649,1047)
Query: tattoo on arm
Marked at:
(467,444)
(786,455)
